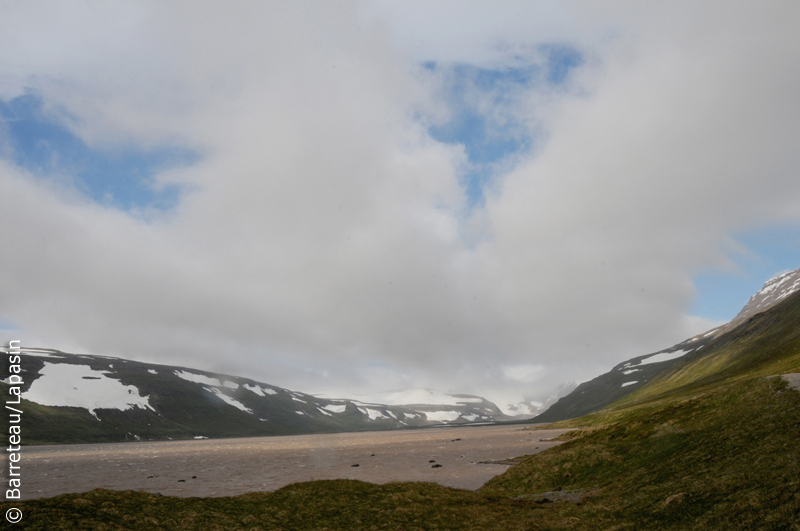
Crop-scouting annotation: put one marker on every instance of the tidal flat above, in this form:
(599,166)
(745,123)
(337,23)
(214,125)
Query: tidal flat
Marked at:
(467,457)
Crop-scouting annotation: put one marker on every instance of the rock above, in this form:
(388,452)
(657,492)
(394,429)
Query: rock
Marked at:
(437,466)
(675,498)
(353,466)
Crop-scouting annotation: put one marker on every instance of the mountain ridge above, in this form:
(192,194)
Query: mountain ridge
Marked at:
(79,398)
(629,376)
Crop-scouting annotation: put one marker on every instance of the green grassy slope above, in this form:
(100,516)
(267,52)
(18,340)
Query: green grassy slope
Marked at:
(745,351)
(768,344)
(725,459)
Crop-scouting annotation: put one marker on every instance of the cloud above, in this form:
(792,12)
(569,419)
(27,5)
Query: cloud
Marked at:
(326,243)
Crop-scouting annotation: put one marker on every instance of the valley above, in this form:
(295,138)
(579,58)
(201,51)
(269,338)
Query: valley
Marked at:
(709,441)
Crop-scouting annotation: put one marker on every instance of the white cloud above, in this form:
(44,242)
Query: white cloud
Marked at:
(528,373)
(326,229)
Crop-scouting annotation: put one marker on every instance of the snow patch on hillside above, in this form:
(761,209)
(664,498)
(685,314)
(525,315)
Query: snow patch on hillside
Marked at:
(780,287)
(42,353)
(658,358)
(206,380)
(442,416)
(229,400)
(413,396)
(260,391)
(373,414)
(67,385)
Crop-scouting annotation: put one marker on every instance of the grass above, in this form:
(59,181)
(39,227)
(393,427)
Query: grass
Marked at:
(339,504)
(726,459)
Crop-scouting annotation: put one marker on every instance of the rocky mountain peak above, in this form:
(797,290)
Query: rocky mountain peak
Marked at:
(775,290)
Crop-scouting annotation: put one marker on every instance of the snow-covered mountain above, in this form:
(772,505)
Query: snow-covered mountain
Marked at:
(774,291)
(82,398)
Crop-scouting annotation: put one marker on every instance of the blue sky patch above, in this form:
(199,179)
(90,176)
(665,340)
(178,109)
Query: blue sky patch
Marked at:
(560,61)
(121,177)
(8,325)
(480,102)
(721,295)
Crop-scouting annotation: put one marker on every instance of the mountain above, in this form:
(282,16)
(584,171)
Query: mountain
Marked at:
(73,398)
(774,291)
(631,375)
(710,442)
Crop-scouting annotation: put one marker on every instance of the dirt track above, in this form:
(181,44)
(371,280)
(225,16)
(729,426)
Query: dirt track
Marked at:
(227,467)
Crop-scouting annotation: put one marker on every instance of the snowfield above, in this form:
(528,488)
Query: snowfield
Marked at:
(373,414)
(658,358)
(201,379)
(67,385)
(260,391)
(229,400)
(442,416)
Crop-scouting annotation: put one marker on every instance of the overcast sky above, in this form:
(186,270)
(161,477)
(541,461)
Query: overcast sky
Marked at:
(352,198)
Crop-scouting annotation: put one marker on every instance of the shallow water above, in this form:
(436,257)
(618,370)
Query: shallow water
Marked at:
(228,467)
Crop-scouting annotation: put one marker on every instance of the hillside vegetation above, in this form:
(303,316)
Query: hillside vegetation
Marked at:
(714,443)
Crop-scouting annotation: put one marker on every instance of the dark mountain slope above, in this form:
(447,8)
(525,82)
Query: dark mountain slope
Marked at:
(679,365)
(70,398)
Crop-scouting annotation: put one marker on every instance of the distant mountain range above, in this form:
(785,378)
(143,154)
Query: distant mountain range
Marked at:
(631,375)
(74,398)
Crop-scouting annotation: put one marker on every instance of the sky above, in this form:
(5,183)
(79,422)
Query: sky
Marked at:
(361,198)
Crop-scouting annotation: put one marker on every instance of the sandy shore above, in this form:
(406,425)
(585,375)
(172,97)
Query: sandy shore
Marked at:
(227,467)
